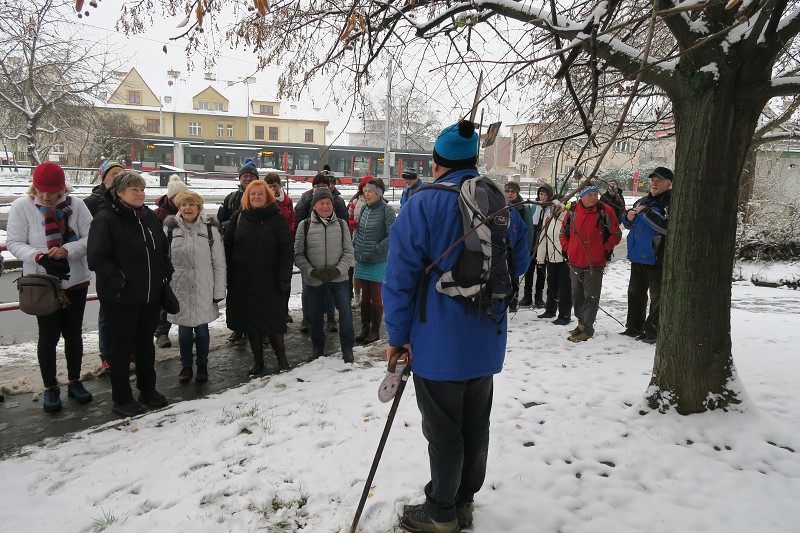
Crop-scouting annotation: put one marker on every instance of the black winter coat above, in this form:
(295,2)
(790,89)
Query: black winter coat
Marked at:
(230,205)
(98,200)
(259,249)
(129,255)
(303,208)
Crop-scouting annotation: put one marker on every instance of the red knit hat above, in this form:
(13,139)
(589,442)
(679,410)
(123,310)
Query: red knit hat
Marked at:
(49,177)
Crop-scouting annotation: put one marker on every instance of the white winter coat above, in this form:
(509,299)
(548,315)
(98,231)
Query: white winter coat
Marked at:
(549,246)
(200,274)
(25,238)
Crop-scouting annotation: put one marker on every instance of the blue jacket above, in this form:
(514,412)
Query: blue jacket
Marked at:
(371,239)
(455,343)
(409,191)
(648,231)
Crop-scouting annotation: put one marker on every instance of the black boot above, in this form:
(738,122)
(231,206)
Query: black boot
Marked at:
(279,348)
(257,346)
(366,319)
(375,328)
(526,301)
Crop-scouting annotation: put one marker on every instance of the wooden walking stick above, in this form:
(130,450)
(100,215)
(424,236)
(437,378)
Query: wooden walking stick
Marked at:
(396,355)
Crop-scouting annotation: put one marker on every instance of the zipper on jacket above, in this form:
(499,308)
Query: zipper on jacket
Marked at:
(147,250)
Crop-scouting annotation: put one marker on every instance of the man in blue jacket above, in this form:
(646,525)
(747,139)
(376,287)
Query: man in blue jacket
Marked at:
(413,184)
(455,350)
(647,221)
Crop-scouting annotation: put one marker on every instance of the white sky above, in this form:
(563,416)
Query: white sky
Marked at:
(569,450)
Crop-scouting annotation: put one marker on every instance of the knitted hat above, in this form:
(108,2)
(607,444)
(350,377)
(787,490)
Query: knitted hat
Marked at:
(589,189)
(662,172)
(409,174)
(108,165)
(512,186)
(49,177)
(457,146)
(321,194)
(249,167)
(175,186)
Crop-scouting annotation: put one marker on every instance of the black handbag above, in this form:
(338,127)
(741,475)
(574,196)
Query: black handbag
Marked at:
(169,302)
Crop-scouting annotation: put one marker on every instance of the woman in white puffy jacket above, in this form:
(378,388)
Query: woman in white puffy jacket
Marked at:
(48,231)
(198,256)
(550,254)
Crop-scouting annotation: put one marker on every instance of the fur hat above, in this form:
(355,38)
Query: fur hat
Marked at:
(249,167)
(457,146)
(321,194)
(662,172)
(512,186)
(175,186)
(49,177)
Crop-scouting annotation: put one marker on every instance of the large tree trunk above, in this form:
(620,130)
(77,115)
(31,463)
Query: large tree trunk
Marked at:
(713,136)
(747,183)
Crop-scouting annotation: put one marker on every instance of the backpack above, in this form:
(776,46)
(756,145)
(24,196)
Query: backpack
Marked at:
(603,222)
(483,274)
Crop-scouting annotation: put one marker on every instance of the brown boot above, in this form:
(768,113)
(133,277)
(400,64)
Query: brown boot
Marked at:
(576,331)
(257,346)
(279,348)
(366,320)
(375,328)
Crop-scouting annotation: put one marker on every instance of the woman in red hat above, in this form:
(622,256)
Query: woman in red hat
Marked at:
(48,232)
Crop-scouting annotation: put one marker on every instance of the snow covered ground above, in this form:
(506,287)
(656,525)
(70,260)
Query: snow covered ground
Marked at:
(570,449)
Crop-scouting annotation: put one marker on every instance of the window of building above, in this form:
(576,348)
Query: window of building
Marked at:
(167,99)
(266,109)
(260,132)
(230,130)
(153,125)
(134,97)
(218,106)
(202,105)
(195,128)
(623,145)
(220,130)
(273,133)
(309,136)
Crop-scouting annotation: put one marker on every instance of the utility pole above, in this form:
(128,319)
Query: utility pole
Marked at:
(386,173)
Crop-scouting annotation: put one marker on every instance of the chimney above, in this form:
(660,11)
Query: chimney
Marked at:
(210,76)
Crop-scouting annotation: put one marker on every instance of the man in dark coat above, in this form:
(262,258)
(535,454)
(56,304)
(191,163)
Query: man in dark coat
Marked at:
(614,199)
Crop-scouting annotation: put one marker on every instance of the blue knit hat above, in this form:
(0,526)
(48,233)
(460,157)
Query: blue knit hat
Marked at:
(589,189)
(249,167)
(457,146)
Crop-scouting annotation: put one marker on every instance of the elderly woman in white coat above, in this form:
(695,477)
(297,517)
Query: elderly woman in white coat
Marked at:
(48,231)
(198,256)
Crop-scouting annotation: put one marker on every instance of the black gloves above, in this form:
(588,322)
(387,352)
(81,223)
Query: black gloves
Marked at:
(55,267)
(325,274)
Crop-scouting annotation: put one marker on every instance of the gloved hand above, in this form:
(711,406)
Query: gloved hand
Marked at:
(55,267)
(326,274)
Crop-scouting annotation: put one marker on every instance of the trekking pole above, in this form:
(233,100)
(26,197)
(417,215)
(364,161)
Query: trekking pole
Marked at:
(398,352)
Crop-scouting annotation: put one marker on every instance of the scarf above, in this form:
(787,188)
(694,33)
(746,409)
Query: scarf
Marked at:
(56,223)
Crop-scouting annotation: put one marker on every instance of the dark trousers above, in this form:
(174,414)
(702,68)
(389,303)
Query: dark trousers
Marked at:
(340,292)
(103,336)
(132,328)
(559,289)
(586,286)
(188,337)
(330,307)
(644,278)
(455,422)
(163,325)
(69,323)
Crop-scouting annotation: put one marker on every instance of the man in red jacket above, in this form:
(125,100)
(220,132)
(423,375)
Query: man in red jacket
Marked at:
(588,236)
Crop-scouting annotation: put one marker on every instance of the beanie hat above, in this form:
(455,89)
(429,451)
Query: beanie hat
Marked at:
(589,189)
(108,165)
(175,186)
(663,172)
(49,177)
(457,146)
(321,194)
(249,167)
(364,181)
(512,186)
(409,175)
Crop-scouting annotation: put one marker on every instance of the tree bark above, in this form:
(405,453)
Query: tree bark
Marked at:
(713,136)
(747,182)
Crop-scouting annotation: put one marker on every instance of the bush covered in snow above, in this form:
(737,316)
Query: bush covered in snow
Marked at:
(771,231)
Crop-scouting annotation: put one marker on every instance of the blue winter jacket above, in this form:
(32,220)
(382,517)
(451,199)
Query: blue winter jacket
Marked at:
(455,342)
(408,192)
(648,231)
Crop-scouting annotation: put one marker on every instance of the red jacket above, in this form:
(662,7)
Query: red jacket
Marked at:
(582,235)
(287,210)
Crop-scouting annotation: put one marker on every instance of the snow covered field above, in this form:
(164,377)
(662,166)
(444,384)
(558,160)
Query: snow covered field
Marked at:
(570,450)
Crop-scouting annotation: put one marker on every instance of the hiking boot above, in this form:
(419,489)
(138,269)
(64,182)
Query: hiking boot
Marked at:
(630,332)
(526,301)
(580,337)
(347,355)
(416,520)
(152,399)
(186,374)
(75,389)
(561,321)
(646,337)
(202,374)
(129,408)
(333,327)
(162,341)
(547,314)
(235,336)
(376,313)
(576,331)
(52,400)
(514,305)
(316,353)
(464,514)
(538,303)
(304,326)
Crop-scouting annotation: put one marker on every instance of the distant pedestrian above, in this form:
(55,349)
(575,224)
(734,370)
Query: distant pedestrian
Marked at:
(413,184)
(357,203)
(283,200)
(550,254)
(532,294)
(614,199)
(526,214)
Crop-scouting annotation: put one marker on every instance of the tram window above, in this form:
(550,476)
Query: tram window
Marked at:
(303,162)
(196,159)
(361,166)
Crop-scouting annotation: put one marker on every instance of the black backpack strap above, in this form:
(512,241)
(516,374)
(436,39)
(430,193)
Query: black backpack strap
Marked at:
(210,235)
